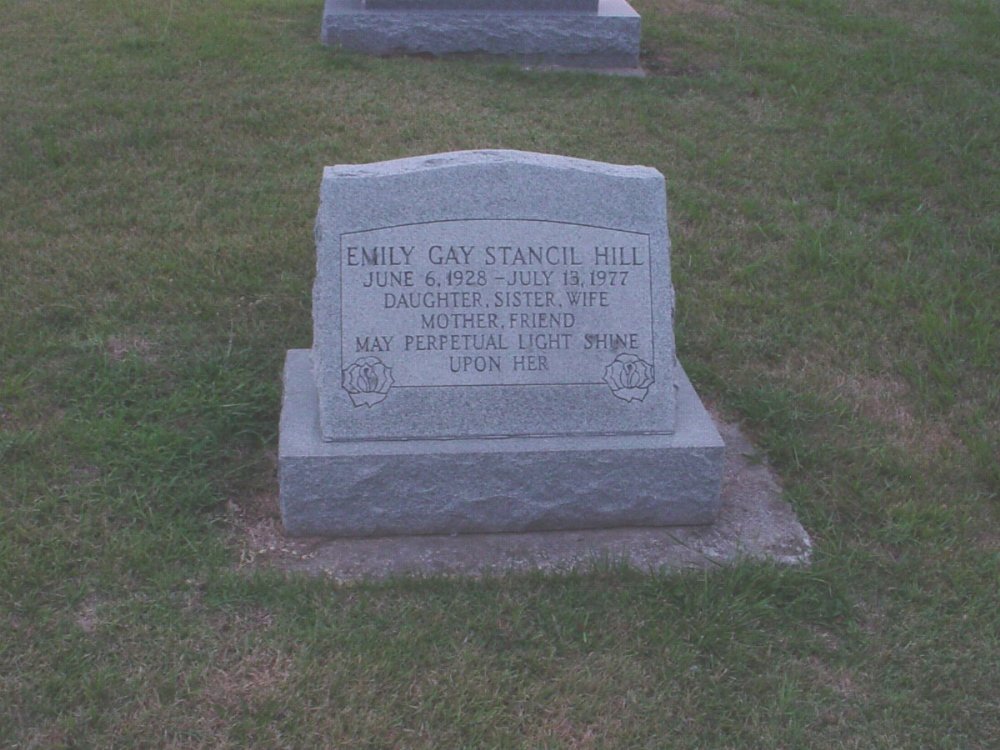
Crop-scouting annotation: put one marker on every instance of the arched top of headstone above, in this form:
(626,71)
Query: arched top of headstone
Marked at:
(490,157)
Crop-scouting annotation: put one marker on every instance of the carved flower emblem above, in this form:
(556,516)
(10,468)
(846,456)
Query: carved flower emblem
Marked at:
(367,381)
(629,377)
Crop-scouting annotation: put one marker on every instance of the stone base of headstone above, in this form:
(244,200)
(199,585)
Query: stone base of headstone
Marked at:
(606,39)
(754,523)
(390,487)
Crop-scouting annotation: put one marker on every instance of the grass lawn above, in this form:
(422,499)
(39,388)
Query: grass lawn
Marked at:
(833,168)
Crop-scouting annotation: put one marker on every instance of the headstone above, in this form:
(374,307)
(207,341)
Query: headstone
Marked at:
(493,351)
(528,6)
(571,33)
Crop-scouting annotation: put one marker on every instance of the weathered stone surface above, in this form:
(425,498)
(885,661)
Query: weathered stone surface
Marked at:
(493,294)
(529,6)
(607,38)
(370,488)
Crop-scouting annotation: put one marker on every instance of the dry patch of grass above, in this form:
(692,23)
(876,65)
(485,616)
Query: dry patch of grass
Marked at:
(842,681)
(889,402)
(884,399)
(88,614)
(119,347)
(257,530)
(246,679)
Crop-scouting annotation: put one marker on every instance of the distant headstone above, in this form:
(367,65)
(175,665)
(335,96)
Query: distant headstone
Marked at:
(570,33)
(528,6)
(493,351)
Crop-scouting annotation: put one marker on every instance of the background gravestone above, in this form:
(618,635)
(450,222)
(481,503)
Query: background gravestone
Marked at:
(572,33)
(493,351)
(528,6)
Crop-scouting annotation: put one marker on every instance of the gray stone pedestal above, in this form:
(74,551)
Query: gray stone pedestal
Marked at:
(386,487)
(607,38)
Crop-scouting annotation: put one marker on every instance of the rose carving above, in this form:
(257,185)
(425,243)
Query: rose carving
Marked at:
(629,377)
(367,381)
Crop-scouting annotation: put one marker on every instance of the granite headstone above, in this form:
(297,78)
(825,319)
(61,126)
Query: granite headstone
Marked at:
(527,6)
(493,351)
(601,34)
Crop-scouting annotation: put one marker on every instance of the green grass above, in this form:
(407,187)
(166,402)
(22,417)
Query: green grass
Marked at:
(832,170)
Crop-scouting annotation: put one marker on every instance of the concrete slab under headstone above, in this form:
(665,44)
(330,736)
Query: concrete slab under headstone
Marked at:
(755,523)
(607,38)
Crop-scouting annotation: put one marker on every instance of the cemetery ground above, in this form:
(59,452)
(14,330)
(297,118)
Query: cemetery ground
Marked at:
(832,169)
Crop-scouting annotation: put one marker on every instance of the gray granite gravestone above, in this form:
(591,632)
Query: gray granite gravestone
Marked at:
(571,33)
(527,6)
(493,351)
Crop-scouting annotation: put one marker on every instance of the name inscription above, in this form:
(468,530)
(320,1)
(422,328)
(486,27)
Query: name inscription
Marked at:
(494,302)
